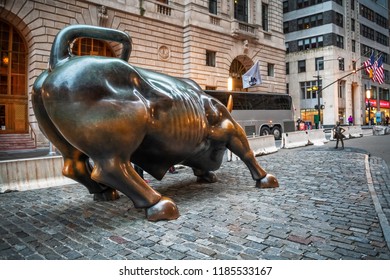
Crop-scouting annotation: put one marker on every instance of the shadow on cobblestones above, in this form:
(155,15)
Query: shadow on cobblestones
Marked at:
(322,210)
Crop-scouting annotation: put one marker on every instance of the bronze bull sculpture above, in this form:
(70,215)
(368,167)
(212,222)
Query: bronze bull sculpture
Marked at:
(107,110)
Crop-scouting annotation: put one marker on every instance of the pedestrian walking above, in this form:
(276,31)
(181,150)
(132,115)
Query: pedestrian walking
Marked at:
(387,120)
(172,170)
(350,120)
(338,135)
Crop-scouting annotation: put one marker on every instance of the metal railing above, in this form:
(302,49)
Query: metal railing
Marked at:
(243,30)
(32,134)
(163,9)
(246,27)
(215,20)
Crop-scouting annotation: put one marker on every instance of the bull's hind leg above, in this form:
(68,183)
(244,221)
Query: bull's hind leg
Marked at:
(78,168)
(76,165)
(121,175)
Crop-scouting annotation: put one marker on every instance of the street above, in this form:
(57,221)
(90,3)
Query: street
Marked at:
(378,146)
(331,204)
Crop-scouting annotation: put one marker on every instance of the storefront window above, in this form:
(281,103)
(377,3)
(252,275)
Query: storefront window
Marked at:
(308,115)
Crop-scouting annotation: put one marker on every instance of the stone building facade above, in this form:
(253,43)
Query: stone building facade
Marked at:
(207,41)
(327,43)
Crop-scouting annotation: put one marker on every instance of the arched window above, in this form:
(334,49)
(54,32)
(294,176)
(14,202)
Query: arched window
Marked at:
(13,61)
(13,80)
(237,69)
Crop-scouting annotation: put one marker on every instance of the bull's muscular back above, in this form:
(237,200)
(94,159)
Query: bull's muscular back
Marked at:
(176,109)
(103,104)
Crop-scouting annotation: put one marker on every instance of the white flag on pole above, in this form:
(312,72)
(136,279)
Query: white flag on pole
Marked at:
(252,77)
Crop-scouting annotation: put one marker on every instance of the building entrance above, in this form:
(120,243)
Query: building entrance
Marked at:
(13,81)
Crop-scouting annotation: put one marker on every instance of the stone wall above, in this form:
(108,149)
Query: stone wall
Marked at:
(169,38)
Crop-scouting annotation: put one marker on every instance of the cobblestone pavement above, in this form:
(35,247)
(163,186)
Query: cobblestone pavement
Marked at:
(323,209)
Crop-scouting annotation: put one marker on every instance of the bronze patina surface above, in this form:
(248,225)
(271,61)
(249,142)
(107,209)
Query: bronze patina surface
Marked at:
(116,114)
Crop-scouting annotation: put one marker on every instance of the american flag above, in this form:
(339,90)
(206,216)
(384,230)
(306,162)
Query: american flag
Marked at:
(369,64)
(379,74)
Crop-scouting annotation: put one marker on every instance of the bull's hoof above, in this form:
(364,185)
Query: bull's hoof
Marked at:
(209,177)
(106,195)
(165,209)
(269,181)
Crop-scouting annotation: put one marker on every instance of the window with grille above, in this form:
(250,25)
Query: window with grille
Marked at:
(13,64)
(241,10)
(301,66)
(341,89)
(2,116)
(341,64)
(340,41)
(264,16)
(311,43)
(88,46)
(367,13)
(367,32)
(339,20)
(213,7)
(319,63)
(309,89)
(210,58)
(310,21)
(271,70)
(285,7)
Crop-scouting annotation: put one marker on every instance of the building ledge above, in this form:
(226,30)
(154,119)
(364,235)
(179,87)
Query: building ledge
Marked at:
(243,30)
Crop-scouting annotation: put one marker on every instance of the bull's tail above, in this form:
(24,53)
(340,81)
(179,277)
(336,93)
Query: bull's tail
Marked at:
(60,50)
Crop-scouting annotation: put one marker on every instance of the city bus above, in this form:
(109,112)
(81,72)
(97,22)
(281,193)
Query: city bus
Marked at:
(260,113)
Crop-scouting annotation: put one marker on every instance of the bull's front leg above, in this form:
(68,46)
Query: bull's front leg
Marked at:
(122,176)
(237,143)
(205,176)
(263,179)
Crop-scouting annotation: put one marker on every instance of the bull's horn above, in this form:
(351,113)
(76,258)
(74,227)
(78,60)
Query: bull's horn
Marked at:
(229,105)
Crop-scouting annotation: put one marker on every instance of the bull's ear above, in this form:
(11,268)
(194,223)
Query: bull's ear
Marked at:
(229,104)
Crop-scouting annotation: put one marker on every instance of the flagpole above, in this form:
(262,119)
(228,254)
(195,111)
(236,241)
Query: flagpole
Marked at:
(376,73)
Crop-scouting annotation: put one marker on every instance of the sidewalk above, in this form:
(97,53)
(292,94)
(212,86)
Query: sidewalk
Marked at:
(331,204)
(21,154)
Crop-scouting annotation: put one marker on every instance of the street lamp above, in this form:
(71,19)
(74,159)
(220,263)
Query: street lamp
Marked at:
(368,95)
(318,92)
(318,86)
